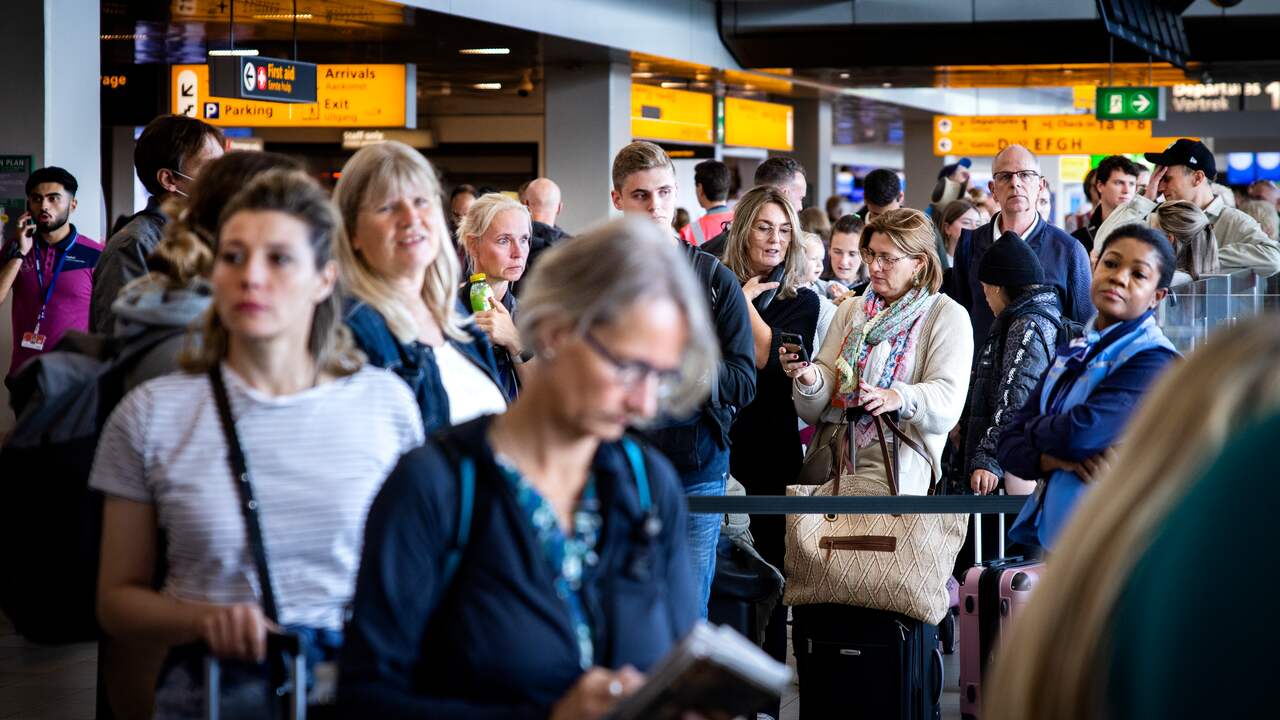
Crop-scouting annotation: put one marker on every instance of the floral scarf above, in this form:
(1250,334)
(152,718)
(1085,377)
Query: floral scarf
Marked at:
(896,323)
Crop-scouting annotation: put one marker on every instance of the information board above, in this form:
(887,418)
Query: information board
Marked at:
(346,96)
(985,135)
(753,123)
(659,113)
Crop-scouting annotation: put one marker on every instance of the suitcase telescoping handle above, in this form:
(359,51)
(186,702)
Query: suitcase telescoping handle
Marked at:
(977,535)
(295,665)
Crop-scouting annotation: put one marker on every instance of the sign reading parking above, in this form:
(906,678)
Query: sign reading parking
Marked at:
(1127,103)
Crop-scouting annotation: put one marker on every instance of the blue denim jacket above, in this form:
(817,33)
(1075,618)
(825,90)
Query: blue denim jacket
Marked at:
(415,362)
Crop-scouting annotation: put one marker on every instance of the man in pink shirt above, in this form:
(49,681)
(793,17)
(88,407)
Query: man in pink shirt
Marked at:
(48,268)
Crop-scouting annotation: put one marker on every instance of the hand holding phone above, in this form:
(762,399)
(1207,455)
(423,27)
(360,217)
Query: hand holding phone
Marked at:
(795,345)
(26,232)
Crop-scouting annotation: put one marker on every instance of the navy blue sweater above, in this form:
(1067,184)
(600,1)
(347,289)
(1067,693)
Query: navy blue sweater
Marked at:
(1106,412)
(498,643)
(415,363)
(1066,267)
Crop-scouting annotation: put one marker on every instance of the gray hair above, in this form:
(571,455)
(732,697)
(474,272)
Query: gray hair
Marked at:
(592,279)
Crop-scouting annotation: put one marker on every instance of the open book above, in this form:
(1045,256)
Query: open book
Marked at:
(713,669)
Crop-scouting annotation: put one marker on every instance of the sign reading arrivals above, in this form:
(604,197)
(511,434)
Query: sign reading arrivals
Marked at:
(263,78)
(360,96)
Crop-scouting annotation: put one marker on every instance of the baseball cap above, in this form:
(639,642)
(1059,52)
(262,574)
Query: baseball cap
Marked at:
(1191,153)
(948,169)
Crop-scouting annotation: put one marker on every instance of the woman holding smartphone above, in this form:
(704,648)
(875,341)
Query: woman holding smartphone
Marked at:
(764,251)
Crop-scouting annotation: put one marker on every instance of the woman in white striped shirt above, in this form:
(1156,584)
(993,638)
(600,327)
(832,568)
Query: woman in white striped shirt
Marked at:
(319,430)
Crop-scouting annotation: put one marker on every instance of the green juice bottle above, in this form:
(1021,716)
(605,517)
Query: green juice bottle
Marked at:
(481,294)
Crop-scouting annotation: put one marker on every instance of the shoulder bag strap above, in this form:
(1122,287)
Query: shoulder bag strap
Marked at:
(466,507)
(906,440)
(248,504)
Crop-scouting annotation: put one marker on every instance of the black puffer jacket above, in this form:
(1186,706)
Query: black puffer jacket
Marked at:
(1018,350)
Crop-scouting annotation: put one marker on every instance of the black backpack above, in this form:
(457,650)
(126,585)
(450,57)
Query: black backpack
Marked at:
(1068,329)
(50,522)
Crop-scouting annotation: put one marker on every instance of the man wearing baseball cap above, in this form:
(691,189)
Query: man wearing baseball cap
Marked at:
(1185,171)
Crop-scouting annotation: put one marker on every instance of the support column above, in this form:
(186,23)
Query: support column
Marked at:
(588,120)
(919,164)
(814,137)
(52,89)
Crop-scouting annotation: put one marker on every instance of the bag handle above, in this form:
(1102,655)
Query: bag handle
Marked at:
(890,459)
(244,488)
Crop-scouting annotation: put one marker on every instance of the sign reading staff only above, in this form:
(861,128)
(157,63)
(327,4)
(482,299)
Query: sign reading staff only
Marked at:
(346,96)
(985,135)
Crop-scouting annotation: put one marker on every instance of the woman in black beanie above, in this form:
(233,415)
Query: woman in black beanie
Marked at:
(1021,344)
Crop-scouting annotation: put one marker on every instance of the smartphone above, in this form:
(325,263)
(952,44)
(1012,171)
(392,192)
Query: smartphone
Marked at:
(797,342)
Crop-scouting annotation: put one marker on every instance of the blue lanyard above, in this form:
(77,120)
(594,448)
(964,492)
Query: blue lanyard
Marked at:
(53,280)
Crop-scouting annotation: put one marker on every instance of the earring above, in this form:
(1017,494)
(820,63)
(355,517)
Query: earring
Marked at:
(915,279)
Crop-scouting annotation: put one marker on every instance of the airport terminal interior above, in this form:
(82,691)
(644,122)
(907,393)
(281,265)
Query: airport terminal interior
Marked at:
(775,359)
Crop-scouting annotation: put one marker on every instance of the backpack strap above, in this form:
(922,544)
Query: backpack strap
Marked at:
(466,508)
(635,456)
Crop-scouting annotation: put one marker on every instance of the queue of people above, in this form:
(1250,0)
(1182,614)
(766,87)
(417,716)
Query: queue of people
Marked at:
(348,426)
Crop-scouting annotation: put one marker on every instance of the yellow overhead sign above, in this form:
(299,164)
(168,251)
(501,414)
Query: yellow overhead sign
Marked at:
(661,114)
(1044,134)
(751,123)
(346,96)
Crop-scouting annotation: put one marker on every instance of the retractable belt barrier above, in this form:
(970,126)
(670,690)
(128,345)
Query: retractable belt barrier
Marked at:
(859,505)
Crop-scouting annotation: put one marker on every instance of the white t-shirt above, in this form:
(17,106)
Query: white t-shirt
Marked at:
(471,392)
(316,459)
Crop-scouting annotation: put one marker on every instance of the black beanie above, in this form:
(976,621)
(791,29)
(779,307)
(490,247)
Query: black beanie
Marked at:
(1010,262)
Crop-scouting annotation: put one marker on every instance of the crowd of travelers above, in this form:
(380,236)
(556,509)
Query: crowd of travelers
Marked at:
(479,510)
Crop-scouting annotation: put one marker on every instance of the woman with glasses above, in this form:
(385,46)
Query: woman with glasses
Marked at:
(398,264)
(535,564)
(763,250)
(901,348)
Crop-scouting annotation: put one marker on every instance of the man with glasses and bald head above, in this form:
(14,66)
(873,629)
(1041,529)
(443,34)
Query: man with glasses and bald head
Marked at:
(1016,186)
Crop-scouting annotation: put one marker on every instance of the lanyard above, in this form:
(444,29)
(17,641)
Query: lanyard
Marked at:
(53,280)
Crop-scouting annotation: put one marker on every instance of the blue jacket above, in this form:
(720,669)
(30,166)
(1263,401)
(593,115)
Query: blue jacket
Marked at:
(509,379)
(1085,429)
(415,363)
(498,643)
(1066,267)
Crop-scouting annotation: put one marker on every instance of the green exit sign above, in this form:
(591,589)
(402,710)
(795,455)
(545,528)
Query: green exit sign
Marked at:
(1127,103)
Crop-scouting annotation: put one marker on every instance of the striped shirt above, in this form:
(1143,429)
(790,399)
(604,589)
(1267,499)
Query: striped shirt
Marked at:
(316,459)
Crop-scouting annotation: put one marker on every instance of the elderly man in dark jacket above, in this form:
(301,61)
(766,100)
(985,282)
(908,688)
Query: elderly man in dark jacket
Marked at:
(1016,184)
(1018,349)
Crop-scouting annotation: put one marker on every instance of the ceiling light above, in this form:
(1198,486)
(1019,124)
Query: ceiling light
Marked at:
(485,51)
(238,52)
(670,85)
(844,76)
(641,74)
(886,84)
(284,16)
(487,86)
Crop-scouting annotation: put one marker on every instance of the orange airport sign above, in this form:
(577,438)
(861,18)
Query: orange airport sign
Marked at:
(346,96)
(1043,134)
(664,114)
(752,123)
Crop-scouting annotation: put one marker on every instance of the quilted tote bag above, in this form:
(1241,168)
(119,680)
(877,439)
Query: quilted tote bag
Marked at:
(898,563)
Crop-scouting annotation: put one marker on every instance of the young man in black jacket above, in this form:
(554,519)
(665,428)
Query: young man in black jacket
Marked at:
(644,183)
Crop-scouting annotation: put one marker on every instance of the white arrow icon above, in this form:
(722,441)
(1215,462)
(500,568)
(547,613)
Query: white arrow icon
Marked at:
(1141,102)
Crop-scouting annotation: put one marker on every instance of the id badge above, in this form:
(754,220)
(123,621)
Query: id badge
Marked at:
(33,341)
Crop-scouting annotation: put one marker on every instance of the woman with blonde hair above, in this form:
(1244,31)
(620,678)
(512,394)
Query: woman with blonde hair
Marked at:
(398,264)
(276,382)
(1060,661)
(765,252)
(495,236)
(576,576)
(1195,249)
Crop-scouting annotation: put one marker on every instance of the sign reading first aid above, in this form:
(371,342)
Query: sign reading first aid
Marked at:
(346,96)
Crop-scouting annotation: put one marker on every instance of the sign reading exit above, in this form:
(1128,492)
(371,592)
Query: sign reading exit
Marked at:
(1127,103)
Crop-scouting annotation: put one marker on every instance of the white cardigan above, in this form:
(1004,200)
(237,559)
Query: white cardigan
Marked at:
(932,401)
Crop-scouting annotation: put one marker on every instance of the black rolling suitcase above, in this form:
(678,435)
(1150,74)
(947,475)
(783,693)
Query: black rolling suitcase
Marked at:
(859,663)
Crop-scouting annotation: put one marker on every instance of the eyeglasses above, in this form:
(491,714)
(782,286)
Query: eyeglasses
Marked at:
(765,229)
(885,261)
(1026,176)
(630,373)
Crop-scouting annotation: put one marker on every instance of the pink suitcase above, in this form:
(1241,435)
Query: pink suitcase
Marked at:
(993,594)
